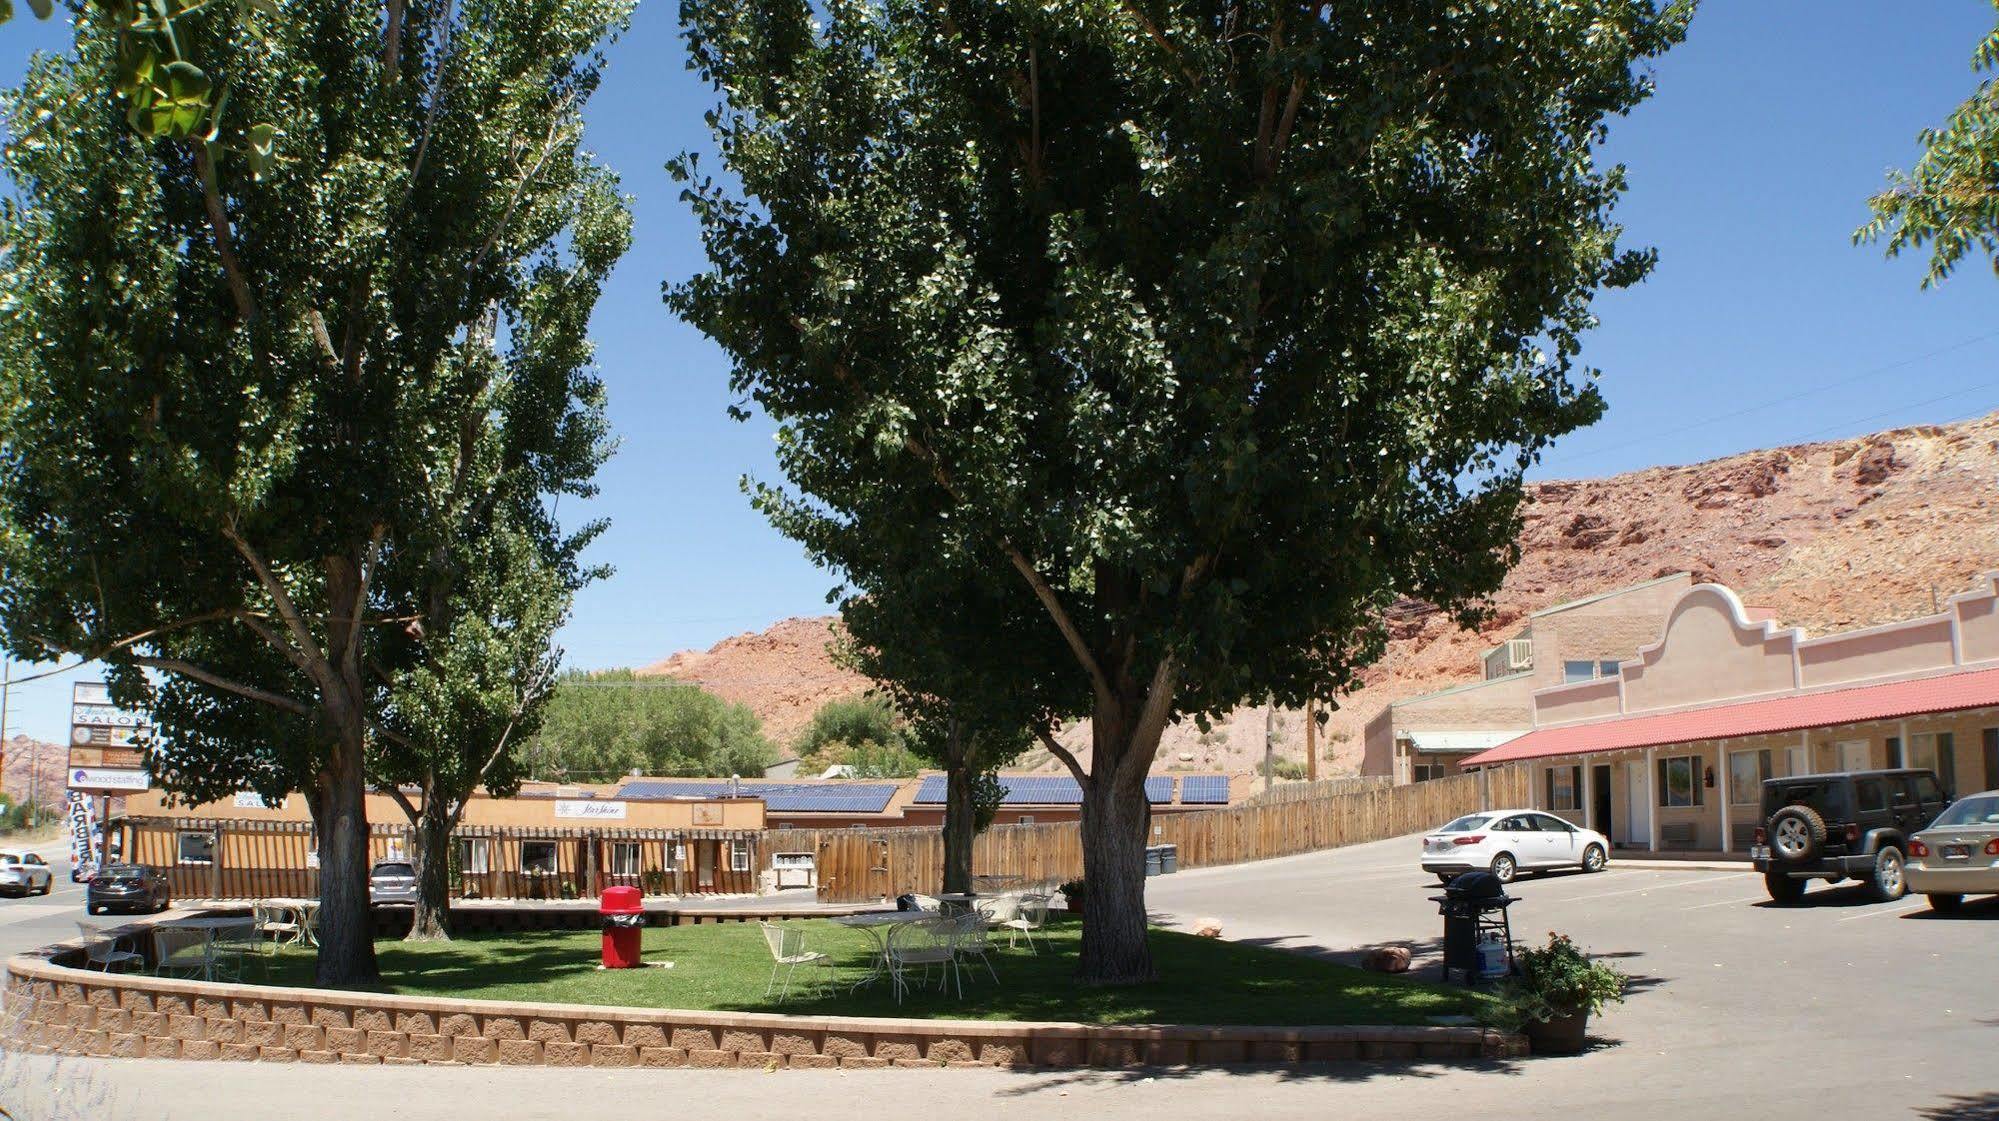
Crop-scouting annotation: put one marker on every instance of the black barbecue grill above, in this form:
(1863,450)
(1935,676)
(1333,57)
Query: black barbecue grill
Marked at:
(1473,904)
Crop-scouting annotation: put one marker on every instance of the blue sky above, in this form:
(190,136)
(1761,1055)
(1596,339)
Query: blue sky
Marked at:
(1762,325)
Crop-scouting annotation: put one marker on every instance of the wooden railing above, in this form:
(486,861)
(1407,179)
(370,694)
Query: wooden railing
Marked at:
(856,865)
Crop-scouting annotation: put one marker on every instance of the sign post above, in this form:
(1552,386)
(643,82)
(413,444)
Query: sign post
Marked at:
(107,756)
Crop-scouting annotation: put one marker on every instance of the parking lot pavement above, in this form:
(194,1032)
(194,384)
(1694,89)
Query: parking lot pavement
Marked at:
(1833,1009)
(37,920)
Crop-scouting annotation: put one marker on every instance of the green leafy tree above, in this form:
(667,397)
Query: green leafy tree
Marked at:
(1950,201)
(864,732)
(478,685)
(1216,327)
(239,388)
(603,725)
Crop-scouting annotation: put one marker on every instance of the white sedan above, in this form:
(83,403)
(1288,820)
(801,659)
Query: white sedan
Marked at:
(1507,842)
(24,873)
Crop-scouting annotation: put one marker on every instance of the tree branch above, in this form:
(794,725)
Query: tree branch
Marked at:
(395,792)
(277,641)
(1152,716)
(392,44)
(196,673)
(1165,44)
(1068,757)
(316,666)
(520,188)
(218,224)
(445,54)
(350,658)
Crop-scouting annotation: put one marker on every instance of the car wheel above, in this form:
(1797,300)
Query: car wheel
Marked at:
(48,885)
(1887,883)
(1797,833)
(94,909)
(1593,859)
(1783,888)
(1946,902)
(1503,868)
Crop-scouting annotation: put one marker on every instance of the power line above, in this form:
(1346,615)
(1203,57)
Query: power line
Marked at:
(1772,403)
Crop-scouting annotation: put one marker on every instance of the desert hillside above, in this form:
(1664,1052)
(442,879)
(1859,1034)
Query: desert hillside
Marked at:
(1831,535)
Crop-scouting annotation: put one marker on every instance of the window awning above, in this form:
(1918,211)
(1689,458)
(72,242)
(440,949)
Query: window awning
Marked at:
(1851,705)
(1459,742)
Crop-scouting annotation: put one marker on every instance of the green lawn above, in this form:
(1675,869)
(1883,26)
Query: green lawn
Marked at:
(725,966)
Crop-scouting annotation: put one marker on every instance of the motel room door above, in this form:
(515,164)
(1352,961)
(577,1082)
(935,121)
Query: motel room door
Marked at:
(1637,805)
(704,864)
(1599,792)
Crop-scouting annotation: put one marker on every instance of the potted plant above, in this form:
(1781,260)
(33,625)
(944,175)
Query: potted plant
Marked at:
(1072,896)
(1556,990)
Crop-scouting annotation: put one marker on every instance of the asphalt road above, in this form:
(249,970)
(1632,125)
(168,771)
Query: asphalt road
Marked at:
(1834,1009)
(37,920)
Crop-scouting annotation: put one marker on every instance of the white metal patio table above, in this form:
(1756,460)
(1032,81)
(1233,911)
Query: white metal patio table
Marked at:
(877,925)
(213,926)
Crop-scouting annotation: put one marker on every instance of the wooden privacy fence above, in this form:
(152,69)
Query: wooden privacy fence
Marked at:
(216,859)
(1311,791)
(857,865)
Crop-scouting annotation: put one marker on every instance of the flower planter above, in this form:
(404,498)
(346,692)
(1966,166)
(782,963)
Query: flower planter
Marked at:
(1563,1035)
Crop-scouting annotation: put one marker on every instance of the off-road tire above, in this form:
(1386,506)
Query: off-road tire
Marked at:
(1946,902)
(1889,881)
(1783,888)
(1797,834)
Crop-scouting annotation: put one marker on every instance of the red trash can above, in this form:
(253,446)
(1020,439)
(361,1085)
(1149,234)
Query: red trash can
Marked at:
(623,917)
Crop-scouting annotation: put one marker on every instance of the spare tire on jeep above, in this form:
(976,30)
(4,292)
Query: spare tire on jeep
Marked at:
(1797,834)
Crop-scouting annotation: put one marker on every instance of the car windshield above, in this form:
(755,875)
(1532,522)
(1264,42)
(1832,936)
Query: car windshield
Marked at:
(394,870)
(121,875)
(1466,824)
(1979,809)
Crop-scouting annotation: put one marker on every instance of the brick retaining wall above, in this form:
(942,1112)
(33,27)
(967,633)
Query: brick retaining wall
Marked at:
(54,1008)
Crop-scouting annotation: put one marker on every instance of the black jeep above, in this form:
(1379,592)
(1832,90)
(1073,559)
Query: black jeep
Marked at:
(1839,826)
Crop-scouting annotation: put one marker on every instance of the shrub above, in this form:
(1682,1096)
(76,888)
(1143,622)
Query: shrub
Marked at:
(1554,981)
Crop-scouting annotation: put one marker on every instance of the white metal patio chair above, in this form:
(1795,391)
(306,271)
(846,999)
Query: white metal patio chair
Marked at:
(101,952)
(1027,921)
(921,945)
(276,925)
(787,952)
(972,941)
(182,951)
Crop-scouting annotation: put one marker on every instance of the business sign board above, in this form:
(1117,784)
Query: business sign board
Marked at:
(108,779)
(251,800)
(589,810)
(102,734)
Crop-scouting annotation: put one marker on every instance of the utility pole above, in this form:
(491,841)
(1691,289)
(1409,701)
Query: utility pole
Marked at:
(1311,739)
(1269,742)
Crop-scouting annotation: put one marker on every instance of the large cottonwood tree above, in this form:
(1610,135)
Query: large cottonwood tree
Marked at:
(1219,326)
(268,262)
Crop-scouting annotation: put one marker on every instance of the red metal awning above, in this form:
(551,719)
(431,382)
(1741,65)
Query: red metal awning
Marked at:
(1851,705)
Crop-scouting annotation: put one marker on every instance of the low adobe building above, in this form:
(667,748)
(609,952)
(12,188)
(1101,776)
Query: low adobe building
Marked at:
(1671,750)
(1431,736)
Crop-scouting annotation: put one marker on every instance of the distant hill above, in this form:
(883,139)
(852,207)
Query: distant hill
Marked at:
(36,769)
(1833,535)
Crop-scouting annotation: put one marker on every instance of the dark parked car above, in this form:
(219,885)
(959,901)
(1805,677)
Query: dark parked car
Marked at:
(127,887)
(1834,827)
(392,883)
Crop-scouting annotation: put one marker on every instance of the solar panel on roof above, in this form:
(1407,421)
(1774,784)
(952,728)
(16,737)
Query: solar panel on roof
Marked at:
(777,797)
(1204,790)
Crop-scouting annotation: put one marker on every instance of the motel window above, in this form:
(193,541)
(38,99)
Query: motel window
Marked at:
(739,856)
(1935,751)
(1424,772)
(1024,819)
(1746,772)
(1680,781)
(1578,671)
(675,855)
(624,858)
(474,856)
(196,847)
(1565,788)
(538,856)
(1606,669)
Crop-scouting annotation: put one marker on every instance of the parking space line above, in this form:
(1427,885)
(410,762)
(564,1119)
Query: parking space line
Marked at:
(1877,912)
(1649,888)
(1725,902)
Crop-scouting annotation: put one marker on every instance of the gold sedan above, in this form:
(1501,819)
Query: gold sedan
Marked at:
(1958,855)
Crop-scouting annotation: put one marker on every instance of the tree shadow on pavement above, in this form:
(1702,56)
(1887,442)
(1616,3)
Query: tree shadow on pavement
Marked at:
(1347,1072)
(1964,1107)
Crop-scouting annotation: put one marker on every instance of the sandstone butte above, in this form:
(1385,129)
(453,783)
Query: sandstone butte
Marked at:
(1846,533)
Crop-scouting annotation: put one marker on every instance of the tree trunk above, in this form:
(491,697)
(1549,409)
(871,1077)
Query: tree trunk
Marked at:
(1115,951)
(430,852)
(346,930)
(960,819)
